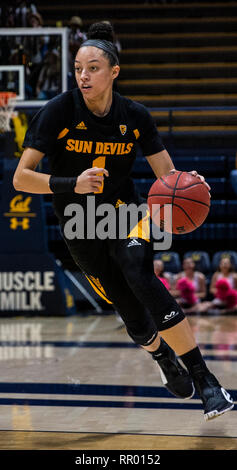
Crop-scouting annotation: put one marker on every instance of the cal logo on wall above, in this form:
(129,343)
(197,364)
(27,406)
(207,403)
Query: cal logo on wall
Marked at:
(22,219)
(19,212)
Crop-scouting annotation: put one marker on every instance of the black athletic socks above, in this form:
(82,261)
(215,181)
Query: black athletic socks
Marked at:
(192,359)
(161,351)
(173,375)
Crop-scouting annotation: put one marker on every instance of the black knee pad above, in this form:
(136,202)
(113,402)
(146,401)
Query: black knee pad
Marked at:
(171,316)
(141,329)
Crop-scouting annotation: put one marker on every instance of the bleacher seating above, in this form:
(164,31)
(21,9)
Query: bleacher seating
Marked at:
(201,259)
(211,166)
(233,180)
(221,254)
(232,210)
(171,261)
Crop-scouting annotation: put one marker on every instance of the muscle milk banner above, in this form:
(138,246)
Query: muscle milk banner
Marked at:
(31,282)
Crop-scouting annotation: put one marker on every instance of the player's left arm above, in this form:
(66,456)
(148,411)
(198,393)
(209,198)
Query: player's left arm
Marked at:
(162,164)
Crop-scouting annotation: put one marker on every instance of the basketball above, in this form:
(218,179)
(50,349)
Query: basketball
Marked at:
(189,198)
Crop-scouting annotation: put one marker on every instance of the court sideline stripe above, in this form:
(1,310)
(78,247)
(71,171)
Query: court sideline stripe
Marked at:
(35,431)
(90,389)
(106,344)
(99,404)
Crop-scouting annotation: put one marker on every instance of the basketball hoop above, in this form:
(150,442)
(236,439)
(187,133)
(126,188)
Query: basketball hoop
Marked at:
(7,104)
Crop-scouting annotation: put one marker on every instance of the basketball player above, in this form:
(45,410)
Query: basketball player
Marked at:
(89,135)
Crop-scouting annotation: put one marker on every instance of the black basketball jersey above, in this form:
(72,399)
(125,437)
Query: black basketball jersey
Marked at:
(74,139)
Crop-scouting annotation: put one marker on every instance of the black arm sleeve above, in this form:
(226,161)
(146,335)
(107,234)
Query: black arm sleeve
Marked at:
(149,139)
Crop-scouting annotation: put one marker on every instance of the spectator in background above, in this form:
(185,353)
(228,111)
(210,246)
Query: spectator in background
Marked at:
(22,10)
(223,287)
(161,274)
(189,286)
(34,20)
(75,37)
(225,271)
(36,45)
(36,48)
(48,84)
(7,17)
(15,15)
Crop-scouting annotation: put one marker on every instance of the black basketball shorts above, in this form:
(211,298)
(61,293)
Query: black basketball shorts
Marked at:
(121,272)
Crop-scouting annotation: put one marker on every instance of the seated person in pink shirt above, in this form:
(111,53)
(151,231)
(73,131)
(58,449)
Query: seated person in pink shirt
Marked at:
(224,286)
(189,286)
(161,274)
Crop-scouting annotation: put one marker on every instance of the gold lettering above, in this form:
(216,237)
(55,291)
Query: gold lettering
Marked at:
(123,149)
(99,147)
(113,148)
(119,149)
(87,147)
(78,145)
(18,205)
(107,150)
(70,144)
(129,147)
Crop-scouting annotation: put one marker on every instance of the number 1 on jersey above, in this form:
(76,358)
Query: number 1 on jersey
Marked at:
(100,163)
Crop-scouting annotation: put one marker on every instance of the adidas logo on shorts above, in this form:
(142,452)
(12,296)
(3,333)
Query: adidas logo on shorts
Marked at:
(133,242)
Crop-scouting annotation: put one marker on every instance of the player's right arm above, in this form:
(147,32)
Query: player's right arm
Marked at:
(27,179)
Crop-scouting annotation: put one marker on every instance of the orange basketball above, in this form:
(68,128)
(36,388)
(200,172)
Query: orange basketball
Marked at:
(189,201)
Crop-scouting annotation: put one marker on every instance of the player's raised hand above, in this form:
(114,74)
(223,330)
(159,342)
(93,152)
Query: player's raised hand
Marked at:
(90,180)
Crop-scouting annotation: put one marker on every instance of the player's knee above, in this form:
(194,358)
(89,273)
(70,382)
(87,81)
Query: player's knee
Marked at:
(141,334)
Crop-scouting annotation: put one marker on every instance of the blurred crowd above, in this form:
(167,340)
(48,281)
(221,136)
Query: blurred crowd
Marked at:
(40,54)
(196,292)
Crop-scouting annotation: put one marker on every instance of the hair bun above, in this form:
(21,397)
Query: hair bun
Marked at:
(102,30)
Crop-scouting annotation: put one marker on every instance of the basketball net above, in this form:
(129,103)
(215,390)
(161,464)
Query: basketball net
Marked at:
(7,104)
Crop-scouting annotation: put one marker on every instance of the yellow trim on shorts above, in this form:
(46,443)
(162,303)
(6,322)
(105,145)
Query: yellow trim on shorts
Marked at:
(142,229)
(98,288)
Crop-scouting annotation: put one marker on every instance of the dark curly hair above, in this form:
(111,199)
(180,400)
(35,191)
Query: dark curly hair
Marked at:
(104,31)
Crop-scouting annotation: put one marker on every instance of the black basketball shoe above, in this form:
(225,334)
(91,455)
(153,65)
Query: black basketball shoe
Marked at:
(215,398)
(175,378)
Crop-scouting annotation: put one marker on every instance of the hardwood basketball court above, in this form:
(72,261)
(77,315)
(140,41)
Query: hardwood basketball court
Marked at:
(80,383)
